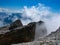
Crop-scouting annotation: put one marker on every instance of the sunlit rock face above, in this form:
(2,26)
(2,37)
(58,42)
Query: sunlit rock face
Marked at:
(4,29)
(40,30)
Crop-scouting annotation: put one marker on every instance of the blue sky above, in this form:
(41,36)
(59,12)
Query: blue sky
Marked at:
(17,4)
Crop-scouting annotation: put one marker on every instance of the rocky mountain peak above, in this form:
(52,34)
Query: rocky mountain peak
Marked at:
(40,22)
(16,24)
(19,33)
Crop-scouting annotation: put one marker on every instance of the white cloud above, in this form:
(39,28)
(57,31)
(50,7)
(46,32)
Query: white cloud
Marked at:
(10,10)
(25,22)
(1,23)
(42,12)
(35,13)
(3,10)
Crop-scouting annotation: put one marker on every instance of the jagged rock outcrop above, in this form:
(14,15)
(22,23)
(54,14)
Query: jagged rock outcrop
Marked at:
(19,33)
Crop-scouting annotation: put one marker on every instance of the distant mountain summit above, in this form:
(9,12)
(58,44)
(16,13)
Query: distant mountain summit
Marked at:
(40,22)
(8,18)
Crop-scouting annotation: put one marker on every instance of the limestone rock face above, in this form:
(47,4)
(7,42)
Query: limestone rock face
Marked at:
(13,25)
(55,35)
(4,29)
